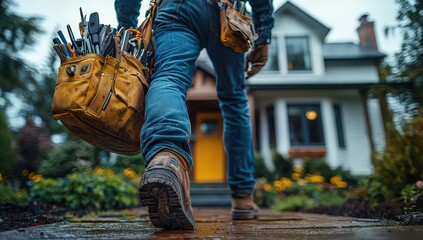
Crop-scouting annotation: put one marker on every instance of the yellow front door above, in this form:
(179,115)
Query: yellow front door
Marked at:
(209,165)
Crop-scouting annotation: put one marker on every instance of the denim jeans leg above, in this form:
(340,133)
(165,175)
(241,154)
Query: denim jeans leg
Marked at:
(233,100)
(167,124)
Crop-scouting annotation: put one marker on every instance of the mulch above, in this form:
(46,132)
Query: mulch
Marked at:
(391,210)
(15,216)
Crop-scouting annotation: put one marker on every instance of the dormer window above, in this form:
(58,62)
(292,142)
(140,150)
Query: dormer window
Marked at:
(298,54)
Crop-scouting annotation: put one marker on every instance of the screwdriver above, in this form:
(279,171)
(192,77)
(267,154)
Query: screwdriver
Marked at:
(94,29)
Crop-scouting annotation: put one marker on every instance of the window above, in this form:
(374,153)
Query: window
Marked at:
(270,112)
(298,54)
(305,125)
(339,126)
(272,60)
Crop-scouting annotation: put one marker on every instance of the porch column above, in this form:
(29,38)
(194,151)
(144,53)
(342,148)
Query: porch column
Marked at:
(330,134)
(282,127)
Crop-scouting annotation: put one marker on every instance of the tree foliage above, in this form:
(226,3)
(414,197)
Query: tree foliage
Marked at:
(16,34)
(6,149)
(409,61)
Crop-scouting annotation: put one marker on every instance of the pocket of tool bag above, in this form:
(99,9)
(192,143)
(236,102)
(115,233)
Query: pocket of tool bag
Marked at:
(236,30)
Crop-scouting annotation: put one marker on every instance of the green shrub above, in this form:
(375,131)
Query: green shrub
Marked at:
(135,162)
(12,196)
(331,198)
(7,154)
(412,196)
(87,191)
(63,159)
(283,166)
(402,161)
(294,203)
(261,170)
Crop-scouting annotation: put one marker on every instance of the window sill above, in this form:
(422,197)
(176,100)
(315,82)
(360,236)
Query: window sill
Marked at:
(313,152)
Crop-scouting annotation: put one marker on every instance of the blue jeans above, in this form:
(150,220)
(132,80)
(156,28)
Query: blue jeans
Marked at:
(182,29)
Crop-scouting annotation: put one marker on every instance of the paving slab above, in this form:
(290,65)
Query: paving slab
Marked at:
(215,223)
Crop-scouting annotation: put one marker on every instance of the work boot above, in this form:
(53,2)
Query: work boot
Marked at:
(164,189)
(243,207)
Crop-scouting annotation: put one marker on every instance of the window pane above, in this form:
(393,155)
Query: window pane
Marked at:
(339,127)
(271,124)
(272,60)
(298,53)
(295,128)
(305,125)
(313,121)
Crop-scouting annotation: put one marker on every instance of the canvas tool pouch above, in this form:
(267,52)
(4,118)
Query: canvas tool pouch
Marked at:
(236,29)
(101,100)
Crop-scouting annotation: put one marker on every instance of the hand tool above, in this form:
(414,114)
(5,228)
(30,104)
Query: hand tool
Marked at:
(73,41)
(124,40)
(65,43)
(94,29)
(108,45)
(83,29)
(59,52)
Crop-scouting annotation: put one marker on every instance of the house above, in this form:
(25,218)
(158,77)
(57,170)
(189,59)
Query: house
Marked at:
(309,101)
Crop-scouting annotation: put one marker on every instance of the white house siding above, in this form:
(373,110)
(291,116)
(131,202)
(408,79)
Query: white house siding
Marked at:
(351,72)
(355,157)
(356,140)
(376,123)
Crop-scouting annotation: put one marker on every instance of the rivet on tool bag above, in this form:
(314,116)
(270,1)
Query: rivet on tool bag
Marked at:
(101,98)
(236,29)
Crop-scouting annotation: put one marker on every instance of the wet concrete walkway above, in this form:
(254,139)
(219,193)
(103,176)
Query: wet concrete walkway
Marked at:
(215,223)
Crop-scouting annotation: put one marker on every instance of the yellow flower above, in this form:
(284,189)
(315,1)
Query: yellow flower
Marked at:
(129,172)
(286,182)
(98,171)
(298,169)
(25,172)
(301,182)
(342,184)
(110,173)
(337,182)
(335,179)
(36,178)
(319,186)
(31,175)
(279,185)
(1,178)
(295,176)
(267,187)
(314,178)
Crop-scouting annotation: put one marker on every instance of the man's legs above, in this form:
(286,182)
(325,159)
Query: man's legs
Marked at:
(165,133)
(238,139)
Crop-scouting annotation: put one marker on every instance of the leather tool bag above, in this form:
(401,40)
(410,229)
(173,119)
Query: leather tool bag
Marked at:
(236,29)
(101,99)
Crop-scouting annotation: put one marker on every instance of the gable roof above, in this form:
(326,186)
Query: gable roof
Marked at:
(349,51)
(289,7)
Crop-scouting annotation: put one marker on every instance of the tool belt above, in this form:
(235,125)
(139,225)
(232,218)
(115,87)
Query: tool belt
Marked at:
(101,98)
(236,29)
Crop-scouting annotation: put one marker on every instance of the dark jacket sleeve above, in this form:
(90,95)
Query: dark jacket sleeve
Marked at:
(127,12)
(263,20)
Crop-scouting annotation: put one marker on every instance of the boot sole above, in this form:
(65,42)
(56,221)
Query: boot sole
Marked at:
(243,214)
(161,192)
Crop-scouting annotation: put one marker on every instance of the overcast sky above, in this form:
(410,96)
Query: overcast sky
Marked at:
(341,16)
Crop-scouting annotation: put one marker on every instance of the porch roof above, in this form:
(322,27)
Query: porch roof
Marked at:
(320,86)
(349,51)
